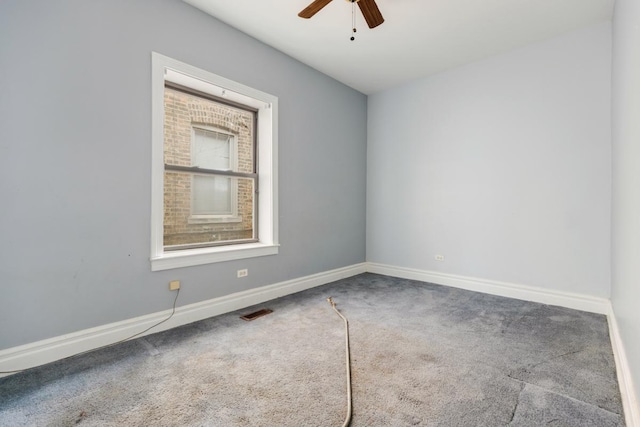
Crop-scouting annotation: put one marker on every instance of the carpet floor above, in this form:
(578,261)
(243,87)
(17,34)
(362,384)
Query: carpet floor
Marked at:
(422,355)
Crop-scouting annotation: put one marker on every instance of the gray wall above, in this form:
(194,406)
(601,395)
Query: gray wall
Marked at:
(625,283)
(75,149)
(502,166)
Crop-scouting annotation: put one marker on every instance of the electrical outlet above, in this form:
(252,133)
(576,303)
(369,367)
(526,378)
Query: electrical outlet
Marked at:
(439,257)
(174,285)
(243,273)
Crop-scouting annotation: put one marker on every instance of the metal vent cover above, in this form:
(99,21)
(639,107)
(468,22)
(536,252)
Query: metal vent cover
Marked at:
(256,314)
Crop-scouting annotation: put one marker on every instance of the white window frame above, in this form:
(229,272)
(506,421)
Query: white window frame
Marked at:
(196,218)
(165,68)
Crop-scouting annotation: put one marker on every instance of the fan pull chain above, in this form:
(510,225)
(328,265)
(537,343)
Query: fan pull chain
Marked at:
(353,18)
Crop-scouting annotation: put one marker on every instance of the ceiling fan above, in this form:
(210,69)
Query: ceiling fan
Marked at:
(369,10)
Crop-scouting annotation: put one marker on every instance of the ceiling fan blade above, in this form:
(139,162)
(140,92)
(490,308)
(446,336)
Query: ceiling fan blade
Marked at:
(313,8)
(371,13)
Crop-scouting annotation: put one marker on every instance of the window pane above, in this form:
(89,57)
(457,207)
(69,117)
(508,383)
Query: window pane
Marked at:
(212,195)
(184,227)
(212,150)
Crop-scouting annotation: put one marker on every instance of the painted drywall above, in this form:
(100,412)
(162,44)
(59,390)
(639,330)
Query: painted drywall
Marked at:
(75,162)
(625,266)
(502,166)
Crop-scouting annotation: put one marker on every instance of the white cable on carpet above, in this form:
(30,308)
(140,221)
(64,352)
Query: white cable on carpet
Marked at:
(346,329)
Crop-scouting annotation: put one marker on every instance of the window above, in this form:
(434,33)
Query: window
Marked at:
(213,196)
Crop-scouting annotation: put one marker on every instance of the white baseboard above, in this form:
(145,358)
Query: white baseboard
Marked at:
(504,289)
(57,348)
(630,402)
(50,350)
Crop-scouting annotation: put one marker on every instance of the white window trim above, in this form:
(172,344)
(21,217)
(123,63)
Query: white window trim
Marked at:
(233,152)
(267,105)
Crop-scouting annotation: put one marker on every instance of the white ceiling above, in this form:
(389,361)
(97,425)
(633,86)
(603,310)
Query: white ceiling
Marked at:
(417,39)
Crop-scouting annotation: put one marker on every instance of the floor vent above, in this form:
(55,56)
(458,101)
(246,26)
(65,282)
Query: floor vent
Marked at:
(256,314)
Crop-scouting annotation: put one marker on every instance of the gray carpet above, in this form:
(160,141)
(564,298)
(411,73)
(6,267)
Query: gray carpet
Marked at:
(422,355)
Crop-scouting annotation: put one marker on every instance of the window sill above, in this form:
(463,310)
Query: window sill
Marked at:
(213,219)
(191,257)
